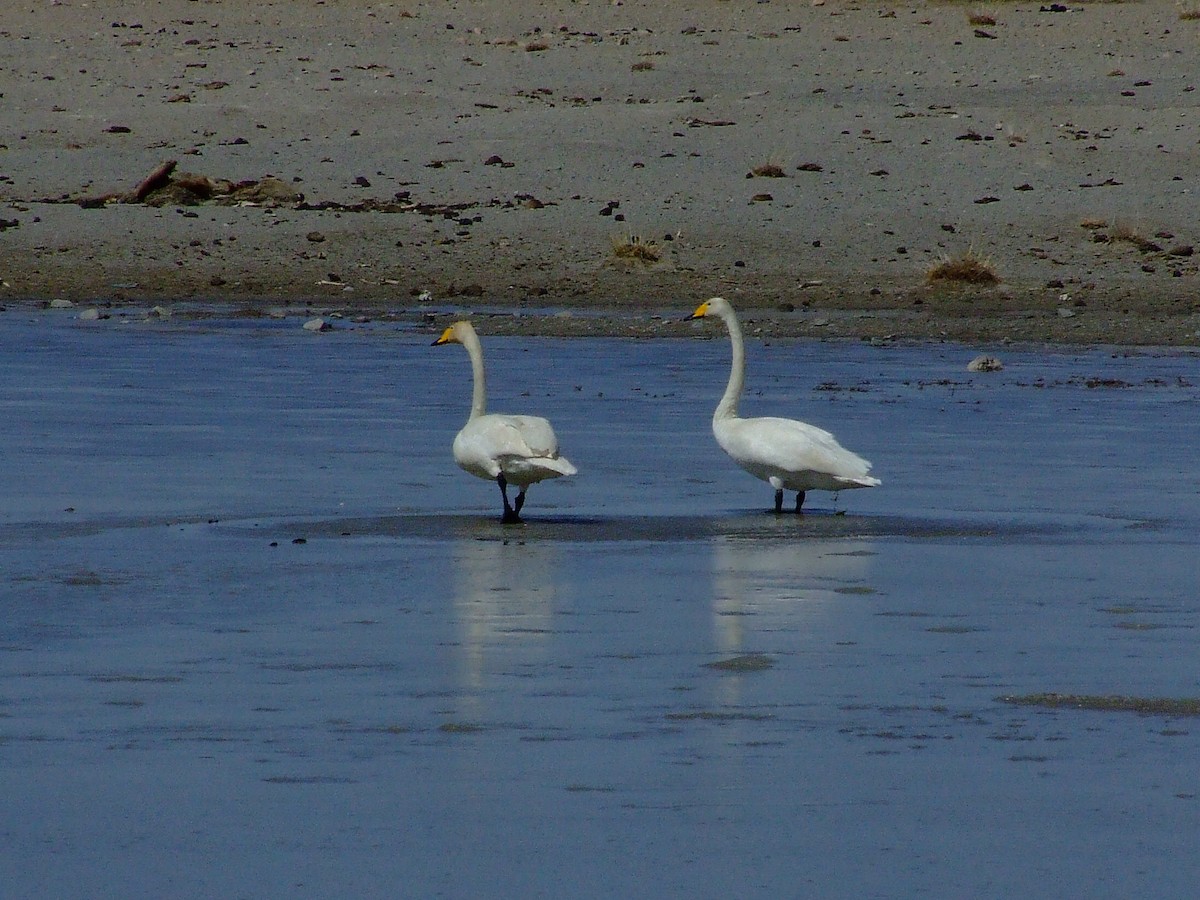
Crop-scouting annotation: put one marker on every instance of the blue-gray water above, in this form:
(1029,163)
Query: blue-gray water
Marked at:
(261,637)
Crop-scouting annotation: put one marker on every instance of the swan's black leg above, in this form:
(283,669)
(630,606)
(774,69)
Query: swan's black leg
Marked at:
(510,514)
(779,501)
(519,502)
(799,500)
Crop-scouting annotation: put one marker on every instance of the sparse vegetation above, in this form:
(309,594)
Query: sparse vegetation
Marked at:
(1014,137)
(981,19)
(644,65)
(634,248)
(1125,233)
(966,268)
(1189,13)
(770,169)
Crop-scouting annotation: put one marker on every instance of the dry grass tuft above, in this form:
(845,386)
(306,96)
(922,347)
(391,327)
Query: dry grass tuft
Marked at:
(772,168)
(644,65)
(1012,136)
(966,268)
(1189,13)
(980,19)
(1124,233)
(633,247)
(768,170)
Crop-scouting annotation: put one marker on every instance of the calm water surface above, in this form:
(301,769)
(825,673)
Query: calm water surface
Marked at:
(262,638)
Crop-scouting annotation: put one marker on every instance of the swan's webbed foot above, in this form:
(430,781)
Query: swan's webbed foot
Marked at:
(779,501)
(799,500)
(511,516)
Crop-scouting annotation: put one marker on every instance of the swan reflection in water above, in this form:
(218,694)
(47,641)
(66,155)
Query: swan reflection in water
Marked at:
(504,601)
(764,589)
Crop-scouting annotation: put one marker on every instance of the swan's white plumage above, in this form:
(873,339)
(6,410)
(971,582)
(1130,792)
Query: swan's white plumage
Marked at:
(522,449)
(788,454)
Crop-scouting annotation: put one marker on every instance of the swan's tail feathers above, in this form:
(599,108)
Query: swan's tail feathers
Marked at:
(561,465)
(522,470)
(863,481)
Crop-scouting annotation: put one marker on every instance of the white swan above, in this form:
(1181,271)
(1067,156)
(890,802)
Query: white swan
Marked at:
(516,450)
(787,454)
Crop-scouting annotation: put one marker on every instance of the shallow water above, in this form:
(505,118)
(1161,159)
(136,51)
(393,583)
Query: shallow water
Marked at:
(262,638)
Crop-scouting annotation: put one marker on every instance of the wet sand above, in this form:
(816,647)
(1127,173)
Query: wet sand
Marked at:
(472,156)
(262,638)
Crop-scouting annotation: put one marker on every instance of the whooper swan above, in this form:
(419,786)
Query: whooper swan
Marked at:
(516,450)
(788,454)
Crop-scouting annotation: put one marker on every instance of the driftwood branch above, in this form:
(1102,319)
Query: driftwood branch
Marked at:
(153,181)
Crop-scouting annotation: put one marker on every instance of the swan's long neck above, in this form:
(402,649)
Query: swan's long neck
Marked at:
(728,407)
(470,340)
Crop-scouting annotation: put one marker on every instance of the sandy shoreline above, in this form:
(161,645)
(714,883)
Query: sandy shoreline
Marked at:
(494,158)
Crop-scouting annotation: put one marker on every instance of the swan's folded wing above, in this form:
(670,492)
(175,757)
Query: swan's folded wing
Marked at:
(524,448)
(536,433)
(541,459)
(788,445)
(509,437)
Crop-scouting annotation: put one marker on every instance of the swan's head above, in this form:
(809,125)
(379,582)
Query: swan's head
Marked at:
(454,334)
(714,306)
